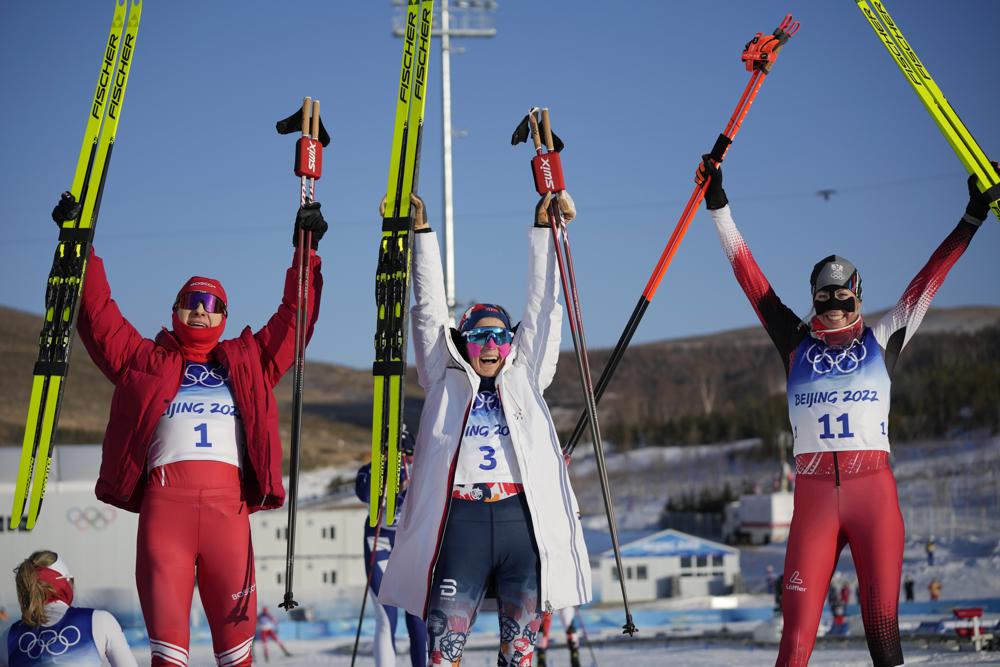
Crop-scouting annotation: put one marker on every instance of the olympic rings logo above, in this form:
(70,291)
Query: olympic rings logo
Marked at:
(48,641)
(845,361)
(204,375)
(486,401)
(91,517)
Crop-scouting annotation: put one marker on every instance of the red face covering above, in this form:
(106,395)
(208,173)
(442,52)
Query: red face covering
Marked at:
(840,337)
(58,577)
(197,343)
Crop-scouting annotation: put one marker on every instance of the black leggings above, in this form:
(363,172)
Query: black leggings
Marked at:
(487,546)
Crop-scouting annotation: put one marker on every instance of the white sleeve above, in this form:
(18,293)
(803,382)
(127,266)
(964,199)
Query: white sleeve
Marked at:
(110,640)
(540,330)
(429,311)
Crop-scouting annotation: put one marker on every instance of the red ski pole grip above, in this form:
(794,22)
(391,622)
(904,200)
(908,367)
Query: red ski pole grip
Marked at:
(308,157)
(547,169)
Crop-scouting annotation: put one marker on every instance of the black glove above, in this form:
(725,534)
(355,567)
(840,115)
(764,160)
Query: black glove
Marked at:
(715,196)
(978,206)
(311,220)
(67,209)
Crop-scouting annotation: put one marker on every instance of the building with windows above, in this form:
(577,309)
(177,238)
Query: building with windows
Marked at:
(669,564)
(98,540)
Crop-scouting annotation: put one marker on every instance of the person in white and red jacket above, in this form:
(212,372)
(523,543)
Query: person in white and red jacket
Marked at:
(490,500)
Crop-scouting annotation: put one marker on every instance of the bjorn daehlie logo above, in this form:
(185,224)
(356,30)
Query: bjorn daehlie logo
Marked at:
(795,583)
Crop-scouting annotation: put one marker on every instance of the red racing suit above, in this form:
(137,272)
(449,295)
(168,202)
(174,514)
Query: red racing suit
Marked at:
(845,493)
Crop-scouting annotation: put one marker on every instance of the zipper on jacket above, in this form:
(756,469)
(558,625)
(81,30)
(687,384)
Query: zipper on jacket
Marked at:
(447,508)
(836,469)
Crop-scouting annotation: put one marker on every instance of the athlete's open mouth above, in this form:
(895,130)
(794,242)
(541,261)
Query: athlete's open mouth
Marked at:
(489,361)
(198,325)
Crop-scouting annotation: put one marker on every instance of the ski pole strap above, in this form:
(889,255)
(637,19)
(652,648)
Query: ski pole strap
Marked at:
(720,147)
(397,224)
(294,124)
(388,368)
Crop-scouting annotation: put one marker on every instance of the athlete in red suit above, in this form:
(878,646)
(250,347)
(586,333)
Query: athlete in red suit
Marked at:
(192,445)
(840,368)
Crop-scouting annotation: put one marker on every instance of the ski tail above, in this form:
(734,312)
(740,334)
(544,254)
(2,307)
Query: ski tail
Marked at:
(392,275)
(69,264)
(972,157)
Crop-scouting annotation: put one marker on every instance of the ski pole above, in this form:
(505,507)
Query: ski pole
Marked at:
(759,55)
(308,167)
(547,168)
(586,636)
(368,581)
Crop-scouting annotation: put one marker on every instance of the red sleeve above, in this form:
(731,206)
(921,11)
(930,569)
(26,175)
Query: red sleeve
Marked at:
(781,323)
(277,337)
(108,336)
(897,326)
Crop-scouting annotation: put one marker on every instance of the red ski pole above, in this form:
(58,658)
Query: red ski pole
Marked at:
(759,55)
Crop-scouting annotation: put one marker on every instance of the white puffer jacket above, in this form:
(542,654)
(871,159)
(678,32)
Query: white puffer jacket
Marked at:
(451,384)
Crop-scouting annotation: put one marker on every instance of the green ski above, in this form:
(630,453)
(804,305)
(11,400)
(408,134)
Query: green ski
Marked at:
(392,275)
(70,264)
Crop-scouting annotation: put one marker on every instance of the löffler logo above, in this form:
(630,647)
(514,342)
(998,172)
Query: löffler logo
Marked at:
(795,583)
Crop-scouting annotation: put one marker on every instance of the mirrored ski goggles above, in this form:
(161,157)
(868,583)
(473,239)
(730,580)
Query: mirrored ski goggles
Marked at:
(210,302)
(482,335)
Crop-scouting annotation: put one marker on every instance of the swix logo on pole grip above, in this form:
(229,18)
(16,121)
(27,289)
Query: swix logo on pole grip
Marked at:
(308,157)
(547,168)
(105,78)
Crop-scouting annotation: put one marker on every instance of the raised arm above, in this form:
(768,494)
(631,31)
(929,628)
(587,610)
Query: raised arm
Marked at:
(894,330)
(540,331)
(109,338)
(429,310)
(277,338)
(781,323)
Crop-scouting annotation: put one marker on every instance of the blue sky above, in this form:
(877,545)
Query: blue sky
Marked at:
(201,184)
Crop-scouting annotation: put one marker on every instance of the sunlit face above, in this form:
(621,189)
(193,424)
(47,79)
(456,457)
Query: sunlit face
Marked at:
(837,319)
(489,362)
(199,318)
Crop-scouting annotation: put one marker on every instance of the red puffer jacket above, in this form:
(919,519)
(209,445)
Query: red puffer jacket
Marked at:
(147,375)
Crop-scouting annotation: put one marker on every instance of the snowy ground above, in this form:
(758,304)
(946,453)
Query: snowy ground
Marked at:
(637,654)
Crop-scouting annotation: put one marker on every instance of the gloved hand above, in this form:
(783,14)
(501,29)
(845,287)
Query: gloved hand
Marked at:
(418,211)
(66,209)
(715,196)
(566,206)
(978,206)
(310,219)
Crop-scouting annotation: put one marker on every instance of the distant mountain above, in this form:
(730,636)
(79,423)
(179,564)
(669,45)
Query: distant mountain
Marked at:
(656,384)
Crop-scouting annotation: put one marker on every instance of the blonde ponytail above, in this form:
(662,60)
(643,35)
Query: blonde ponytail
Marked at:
(32,591)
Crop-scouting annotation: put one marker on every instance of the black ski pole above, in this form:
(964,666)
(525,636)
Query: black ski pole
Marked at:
(308,167)
(368,581)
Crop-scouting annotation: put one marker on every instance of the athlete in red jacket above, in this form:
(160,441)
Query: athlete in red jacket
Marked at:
(192,444)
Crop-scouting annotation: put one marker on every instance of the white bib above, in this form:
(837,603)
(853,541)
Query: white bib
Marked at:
(487,453)
(201,423)
(838,399)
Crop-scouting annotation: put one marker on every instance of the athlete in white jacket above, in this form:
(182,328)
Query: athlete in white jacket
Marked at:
(490,504)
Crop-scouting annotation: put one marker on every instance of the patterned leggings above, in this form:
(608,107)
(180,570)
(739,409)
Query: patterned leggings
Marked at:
(486,547)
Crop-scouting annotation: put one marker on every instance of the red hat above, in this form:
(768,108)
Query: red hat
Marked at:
(202,284)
